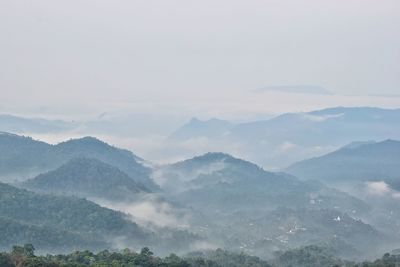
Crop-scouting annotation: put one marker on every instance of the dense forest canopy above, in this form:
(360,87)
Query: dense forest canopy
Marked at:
(312,256)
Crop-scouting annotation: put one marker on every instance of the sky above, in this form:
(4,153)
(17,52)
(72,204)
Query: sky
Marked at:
(184,58)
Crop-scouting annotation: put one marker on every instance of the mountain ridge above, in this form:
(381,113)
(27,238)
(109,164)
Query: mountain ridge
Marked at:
(87,177)
(367,162)
(19,159)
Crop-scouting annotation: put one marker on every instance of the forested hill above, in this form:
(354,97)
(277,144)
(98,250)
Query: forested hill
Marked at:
(61,223)
(23,157)
(310,256)
(91,178)
(356,162)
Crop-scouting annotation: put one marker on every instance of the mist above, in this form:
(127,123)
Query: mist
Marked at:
(200,133)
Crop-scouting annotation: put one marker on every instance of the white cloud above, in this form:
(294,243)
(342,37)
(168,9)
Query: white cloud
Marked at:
(379,188)
(285,146)
(321,118)
(203,245)
(151,211)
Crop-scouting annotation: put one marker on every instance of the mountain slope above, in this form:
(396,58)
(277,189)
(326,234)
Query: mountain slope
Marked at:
(87,178)
(286,228)
(22,157)
(331,126)
(368,162)
(19,157)
(124,160)
(46,238)
(224,182)
(291,137)
(74,217)
(241,206)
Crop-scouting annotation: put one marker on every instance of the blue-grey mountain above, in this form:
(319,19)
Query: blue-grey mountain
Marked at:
(378,161)
(23,157)
(89,178)
(288,138)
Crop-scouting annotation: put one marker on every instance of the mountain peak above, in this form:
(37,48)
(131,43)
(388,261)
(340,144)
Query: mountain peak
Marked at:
(85,140)
(390,141)
(210,158)
(213,156)
(358,161)
(194,120)
(95,144)
(357,144)
(87,177)
(9,134)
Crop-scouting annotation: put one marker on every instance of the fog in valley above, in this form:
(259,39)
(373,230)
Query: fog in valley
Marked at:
(199,133)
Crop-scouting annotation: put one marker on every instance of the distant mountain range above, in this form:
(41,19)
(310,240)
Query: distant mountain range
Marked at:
(16,124)
(291,137)
(211,200)
(88,178)
(274,143)
(23,158)
(357,162)
(352,122)
(121,124)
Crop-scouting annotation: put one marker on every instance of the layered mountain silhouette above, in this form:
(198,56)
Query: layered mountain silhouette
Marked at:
(90,178)
(357,162)
(291,137)
(23,157)
(248,207)
(220,181)
(217,198)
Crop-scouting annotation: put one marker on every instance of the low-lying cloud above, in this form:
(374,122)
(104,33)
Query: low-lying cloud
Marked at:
(150,211)
(381,189)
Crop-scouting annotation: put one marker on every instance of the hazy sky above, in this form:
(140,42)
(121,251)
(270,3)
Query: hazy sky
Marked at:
(200,57)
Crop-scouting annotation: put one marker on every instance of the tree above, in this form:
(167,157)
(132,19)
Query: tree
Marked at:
(20,254)
(5,260)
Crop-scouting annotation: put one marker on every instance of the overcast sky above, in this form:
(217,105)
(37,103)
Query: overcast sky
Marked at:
(200,57)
